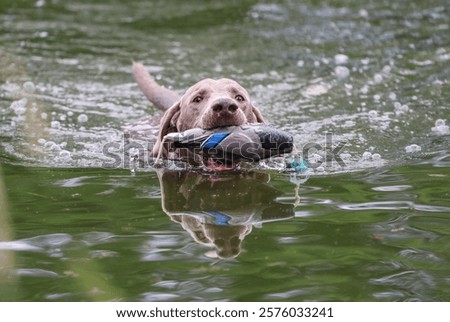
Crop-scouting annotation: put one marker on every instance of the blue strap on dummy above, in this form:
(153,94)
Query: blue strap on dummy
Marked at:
(214,139)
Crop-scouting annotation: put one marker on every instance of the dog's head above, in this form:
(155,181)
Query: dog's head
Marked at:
(209,104)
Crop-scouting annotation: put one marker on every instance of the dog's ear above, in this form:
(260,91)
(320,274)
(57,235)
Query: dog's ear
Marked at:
(258,115)
(168,124)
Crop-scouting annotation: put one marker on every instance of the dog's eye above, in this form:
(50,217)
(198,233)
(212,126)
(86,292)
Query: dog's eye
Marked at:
(240,98)
(197,99)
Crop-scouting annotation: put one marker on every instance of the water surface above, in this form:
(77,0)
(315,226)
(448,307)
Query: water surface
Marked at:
(375,76)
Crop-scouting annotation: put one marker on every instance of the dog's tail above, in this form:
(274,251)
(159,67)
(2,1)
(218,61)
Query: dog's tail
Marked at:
(161,97)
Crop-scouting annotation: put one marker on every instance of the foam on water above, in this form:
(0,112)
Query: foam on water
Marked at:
(341,59)
(440,128)
(342,72)
(82,118)
(412,148)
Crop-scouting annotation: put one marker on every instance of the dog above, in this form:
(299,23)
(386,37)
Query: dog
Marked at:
(208,104)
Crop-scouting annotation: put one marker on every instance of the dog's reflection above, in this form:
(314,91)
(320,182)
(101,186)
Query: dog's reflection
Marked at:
(220,210)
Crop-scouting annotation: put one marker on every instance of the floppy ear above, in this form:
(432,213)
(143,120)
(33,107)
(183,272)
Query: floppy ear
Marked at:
(167,125)
(258,115)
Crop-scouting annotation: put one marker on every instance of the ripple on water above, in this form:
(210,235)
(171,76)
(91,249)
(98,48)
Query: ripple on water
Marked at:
(159,297)
(168,284)
(393,188)
(19,245)
(164,246)
(393,205)
(50,244)
(414,284)
(420,255)
(49,241)
(286,295)
(35,272)
(96,238)
(73,182)
(390,295)
(381,205)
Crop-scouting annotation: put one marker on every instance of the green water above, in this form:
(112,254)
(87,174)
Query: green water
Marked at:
(375,74)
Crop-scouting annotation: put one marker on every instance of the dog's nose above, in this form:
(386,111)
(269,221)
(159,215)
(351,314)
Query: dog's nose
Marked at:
(223,104)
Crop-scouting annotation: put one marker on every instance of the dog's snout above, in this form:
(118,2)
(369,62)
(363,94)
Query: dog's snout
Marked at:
(224,105)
